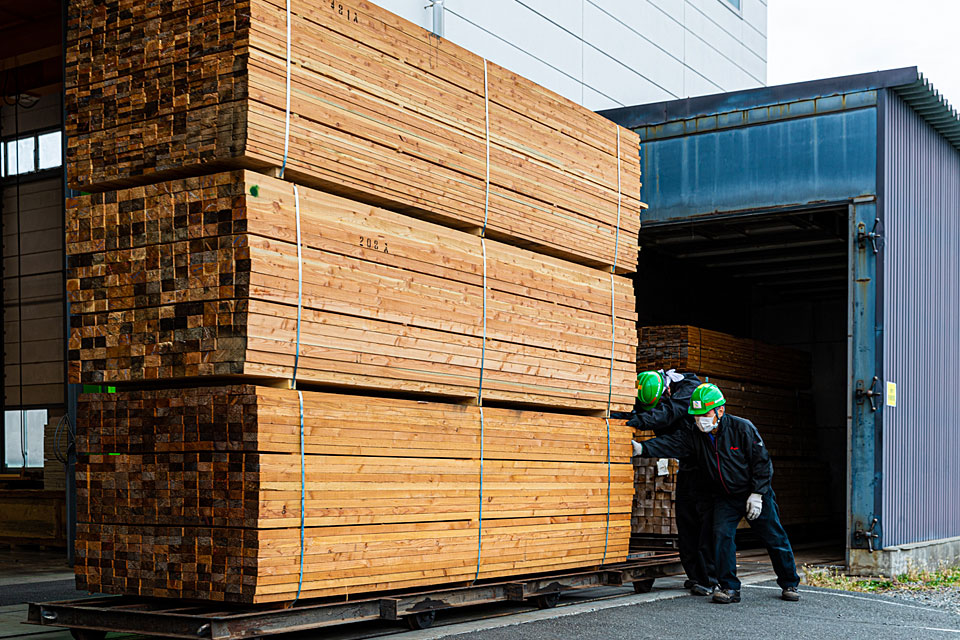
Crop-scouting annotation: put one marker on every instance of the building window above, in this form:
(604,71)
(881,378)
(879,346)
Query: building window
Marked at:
(735,4)
(30,154)
(23,438)
(48,150)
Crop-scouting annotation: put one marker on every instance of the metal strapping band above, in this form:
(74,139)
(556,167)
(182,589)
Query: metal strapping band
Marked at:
(296,355)
(286,126)
(483,344)
(616,256)
(613,341)
(606,533)
(296,362)
(303,482)
(480,512)
(486,115)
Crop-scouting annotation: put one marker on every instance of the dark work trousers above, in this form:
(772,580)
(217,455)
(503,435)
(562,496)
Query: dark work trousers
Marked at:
(694,515)
(727,512)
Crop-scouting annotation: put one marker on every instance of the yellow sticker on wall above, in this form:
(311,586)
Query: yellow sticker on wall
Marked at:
(891,394)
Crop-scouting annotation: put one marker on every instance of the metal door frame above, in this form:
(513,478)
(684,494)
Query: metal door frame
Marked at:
(864,409)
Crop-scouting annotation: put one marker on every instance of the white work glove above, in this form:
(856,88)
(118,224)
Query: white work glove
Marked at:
(754,506)
(672,375)
(637,448)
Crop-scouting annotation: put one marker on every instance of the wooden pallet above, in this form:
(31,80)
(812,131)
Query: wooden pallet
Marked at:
(203,500)
(199,277)
(716,354)
(381,111)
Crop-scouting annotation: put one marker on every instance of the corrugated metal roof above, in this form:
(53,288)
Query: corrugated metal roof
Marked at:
(932,107)
(907,82)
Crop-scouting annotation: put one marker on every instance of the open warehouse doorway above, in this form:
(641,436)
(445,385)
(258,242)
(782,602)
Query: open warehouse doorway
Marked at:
(778,279)
(824,217)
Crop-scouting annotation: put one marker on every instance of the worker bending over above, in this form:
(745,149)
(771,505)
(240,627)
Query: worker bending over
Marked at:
(663,398)
(731,454)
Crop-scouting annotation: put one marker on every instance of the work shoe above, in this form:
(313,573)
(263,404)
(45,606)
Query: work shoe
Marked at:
(726,596)
(790,594)
(700,590)
(689,584)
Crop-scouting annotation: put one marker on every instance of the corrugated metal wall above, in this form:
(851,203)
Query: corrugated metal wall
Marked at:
(921,340)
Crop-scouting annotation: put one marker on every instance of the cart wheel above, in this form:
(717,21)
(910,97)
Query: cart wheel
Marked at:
(87,634)
(421,620)
(547,600)
(643,586)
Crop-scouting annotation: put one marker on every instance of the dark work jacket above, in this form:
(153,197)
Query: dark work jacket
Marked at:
(669,415)
(737,464)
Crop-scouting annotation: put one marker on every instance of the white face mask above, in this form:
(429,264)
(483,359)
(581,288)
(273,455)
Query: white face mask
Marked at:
(705,423)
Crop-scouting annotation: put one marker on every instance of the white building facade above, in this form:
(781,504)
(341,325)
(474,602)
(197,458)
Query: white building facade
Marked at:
(609,53)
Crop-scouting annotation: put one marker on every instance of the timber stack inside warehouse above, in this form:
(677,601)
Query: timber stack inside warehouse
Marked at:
(766,384)
(413,327)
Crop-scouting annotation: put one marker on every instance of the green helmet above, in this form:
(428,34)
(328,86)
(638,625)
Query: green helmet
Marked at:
(706,397)
(649,389)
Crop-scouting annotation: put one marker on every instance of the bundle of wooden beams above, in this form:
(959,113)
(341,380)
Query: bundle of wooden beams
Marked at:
(786,422)
(655,490)
(380,110)
(713,353)
(194,493)
(325,344)
(784,417)
(210,276)
(803,491)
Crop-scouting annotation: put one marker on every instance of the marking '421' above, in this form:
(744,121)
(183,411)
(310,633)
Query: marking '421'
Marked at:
(347,13)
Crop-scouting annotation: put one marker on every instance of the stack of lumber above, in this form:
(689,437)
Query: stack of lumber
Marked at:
(381,111)
(803,491)
(765,384)
(784,417)
(655,489)
(195,494)
(713,353)
(199,277)
(785,420)
(403,273)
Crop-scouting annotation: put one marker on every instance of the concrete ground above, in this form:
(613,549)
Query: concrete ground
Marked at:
(610,612)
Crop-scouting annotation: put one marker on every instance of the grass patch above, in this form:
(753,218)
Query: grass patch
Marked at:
(912,580)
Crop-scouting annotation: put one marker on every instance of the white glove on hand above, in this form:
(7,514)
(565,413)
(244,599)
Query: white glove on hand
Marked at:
(754,506)
(673,376)
(637,448)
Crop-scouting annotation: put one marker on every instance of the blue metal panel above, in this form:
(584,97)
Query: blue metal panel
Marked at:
(799,161)
(921,346)
(759,114)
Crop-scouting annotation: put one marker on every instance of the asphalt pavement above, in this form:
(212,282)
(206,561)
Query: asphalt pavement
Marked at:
(821,613)
(39,591)
(607,613)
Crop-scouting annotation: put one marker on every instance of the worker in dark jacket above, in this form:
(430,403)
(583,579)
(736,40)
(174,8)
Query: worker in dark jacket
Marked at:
(737,470)
(663,398)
